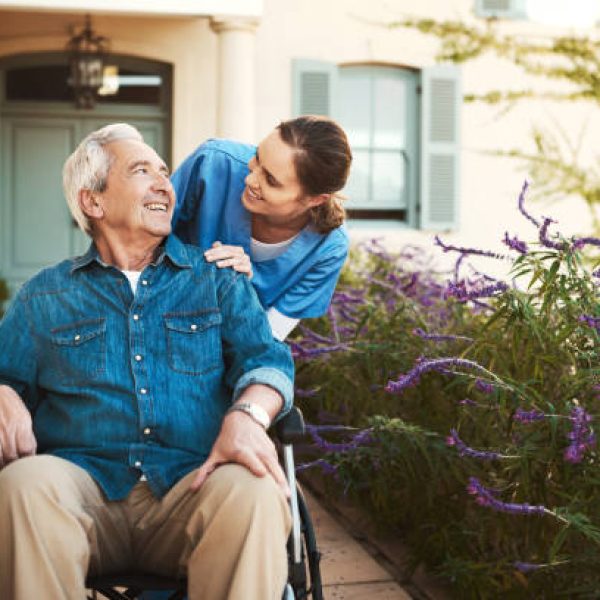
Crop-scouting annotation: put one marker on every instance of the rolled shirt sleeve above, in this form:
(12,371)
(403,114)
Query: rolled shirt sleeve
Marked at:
(19,351)
(252,355)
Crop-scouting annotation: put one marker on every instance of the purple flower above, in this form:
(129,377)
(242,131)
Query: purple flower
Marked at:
(434,364)
(467,402)
(437,337)
(545,240)
(581,436)
(459,290)
(579,243)
(326,467)
(361,438)
(486,497)
(333,320)
(465,251)
(300,393)
(311,335)
(464,450)
(485,387)
(524,416)
(299,351)
(526,567)
(522,205)
(593,322)
(515,244)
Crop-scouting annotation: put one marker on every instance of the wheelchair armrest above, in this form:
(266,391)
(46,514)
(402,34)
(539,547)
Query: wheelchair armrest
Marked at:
(290,428)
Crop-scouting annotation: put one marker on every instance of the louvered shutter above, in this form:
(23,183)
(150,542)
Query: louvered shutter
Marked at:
(314,90)
(504,9)
(440,147)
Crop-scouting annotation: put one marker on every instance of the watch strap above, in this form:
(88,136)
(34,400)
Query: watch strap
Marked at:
(256,412)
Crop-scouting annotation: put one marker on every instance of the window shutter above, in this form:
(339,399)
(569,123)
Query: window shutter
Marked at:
(314,90)
(440,147)
(503,9)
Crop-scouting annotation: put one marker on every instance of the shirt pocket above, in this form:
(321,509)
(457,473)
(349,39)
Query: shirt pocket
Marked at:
(194,341)
(79,350)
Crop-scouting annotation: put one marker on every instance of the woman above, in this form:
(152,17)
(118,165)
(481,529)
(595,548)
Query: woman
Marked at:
(278,203)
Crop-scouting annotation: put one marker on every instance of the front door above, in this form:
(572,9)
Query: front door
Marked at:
(36,227)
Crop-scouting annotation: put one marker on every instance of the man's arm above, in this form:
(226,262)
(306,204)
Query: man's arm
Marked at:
(260,370)
(243,440)
(17,370)
(16,429)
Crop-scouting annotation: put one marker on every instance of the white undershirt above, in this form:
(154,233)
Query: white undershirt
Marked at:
(133,278)
(281,325)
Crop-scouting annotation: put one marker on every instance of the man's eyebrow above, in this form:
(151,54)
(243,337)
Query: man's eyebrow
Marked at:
(146,163)
(266,171)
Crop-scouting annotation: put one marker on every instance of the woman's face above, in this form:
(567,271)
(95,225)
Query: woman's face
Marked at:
(272,187)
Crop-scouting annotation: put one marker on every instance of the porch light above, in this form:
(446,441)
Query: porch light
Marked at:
(87,52)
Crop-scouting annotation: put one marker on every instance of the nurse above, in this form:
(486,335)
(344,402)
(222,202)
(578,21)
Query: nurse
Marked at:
(278,204)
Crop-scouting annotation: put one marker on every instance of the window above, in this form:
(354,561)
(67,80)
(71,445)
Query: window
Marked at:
(378,110)
(126,81)
(503,9)
(403,126)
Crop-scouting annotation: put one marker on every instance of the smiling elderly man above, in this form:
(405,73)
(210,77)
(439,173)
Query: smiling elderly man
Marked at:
(137,371)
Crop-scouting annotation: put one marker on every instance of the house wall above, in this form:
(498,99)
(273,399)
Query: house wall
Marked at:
(344,31)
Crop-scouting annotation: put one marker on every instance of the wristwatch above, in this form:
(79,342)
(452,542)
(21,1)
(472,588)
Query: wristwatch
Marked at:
(254,411)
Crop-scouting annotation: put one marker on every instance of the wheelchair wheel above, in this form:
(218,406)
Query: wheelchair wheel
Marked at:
(305,580)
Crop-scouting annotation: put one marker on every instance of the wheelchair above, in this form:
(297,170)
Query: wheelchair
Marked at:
(304,574)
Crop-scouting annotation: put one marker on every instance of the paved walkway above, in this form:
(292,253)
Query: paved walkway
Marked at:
(349,572)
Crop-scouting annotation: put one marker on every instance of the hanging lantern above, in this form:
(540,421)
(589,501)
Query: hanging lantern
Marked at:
(87,53)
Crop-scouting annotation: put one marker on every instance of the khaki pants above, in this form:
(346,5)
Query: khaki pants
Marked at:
(56,526)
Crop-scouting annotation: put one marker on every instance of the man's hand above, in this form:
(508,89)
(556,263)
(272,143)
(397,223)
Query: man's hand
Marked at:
(230,256)
(245,442)
(16,430)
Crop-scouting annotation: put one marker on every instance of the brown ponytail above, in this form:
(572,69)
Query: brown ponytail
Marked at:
(322,160)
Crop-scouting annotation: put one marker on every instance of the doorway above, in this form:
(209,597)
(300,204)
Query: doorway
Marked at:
(39,127)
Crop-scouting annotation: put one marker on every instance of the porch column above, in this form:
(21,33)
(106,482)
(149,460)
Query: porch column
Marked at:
(236,111)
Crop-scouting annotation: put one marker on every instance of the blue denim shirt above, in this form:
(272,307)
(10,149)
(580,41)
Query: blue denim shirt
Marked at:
(123,385)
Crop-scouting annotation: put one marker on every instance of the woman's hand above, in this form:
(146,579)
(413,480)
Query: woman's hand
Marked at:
(230,256)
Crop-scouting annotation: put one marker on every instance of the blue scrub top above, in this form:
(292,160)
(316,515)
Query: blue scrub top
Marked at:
(208,185)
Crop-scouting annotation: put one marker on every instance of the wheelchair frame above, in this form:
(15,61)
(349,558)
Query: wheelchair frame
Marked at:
(304,580)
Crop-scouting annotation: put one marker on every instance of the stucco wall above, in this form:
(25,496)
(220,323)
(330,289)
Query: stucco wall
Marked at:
(187,43)
(353,31)
(343,31)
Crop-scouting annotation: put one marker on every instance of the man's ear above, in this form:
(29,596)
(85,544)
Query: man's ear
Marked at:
(313,201)
(88,202)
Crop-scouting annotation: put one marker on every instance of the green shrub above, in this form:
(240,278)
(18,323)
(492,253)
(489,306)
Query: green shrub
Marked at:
(462,412)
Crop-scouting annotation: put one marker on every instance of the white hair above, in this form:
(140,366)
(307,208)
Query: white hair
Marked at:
(87,168)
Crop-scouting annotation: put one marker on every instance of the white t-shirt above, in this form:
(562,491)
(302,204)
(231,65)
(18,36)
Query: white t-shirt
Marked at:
(281,325)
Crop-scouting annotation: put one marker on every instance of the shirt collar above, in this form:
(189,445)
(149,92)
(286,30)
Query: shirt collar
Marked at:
(172,248)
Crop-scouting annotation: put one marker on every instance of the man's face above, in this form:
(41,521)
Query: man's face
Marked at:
(138,200)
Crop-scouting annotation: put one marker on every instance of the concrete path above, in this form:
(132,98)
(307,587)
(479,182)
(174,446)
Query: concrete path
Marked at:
(349,572)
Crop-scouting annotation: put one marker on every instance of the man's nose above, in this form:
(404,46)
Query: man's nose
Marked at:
(162,182)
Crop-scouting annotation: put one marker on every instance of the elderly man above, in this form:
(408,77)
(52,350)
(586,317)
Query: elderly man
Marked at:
(146,379)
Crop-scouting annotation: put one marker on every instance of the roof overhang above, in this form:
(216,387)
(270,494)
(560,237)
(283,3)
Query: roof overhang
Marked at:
(162,8)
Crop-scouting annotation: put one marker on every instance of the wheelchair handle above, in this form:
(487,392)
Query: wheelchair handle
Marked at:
(290,429)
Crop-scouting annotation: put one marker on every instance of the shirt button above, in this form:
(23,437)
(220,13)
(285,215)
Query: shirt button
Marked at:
(138,357)
(193,327)
(136,317)
(143,391)
(144,282)
(147,431)
(137,464)
(77,338)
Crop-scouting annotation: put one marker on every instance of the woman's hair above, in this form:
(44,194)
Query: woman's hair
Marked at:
(87,168)
(322,159)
